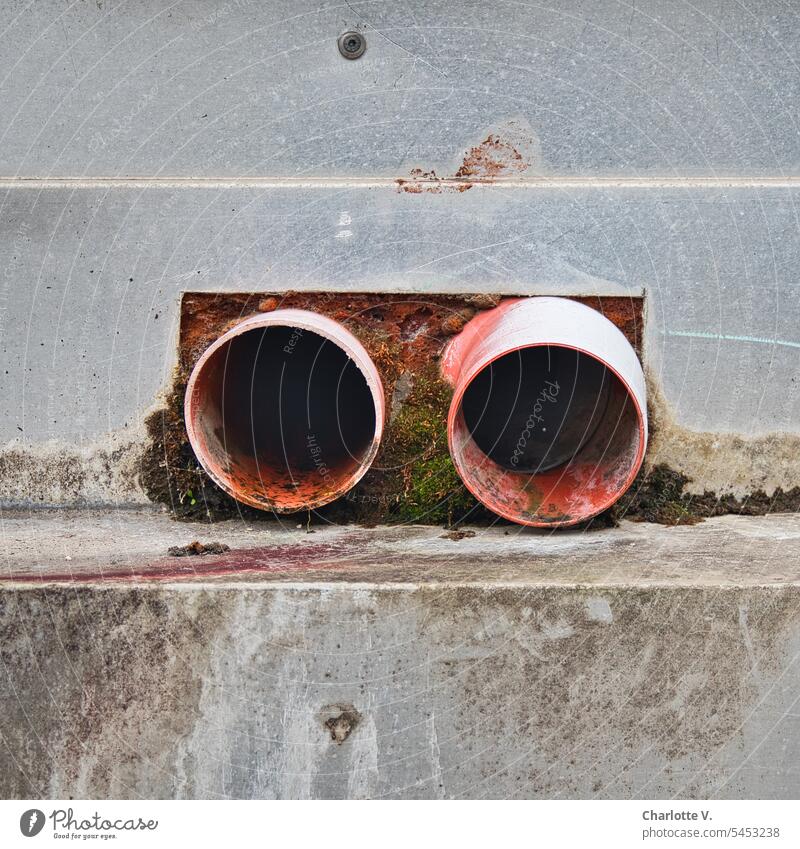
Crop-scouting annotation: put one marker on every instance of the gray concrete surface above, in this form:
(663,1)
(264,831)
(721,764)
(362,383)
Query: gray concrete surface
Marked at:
(68,546)
(197,88)
(639,662)
(150,148)
(94,275)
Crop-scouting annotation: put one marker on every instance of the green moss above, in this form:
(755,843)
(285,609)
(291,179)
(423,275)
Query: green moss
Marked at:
(434,494)
(659,495)
(418,480)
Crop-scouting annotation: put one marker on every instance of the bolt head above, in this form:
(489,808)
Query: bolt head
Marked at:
(352,44)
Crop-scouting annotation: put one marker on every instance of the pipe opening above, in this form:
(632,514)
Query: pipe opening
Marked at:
(282,417)
(534,409)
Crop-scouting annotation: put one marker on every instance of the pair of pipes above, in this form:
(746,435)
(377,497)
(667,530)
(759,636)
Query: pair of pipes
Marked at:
(547,425)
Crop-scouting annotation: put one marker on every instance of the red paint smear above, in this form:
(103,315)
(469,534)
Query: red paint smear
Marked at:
(264,560)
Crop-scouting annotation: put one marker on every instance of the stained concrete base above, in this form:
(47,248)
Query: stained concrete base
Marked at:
(637,662)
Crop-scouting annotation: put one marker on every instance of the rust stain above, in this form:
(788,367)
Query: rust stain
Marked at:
(625,312)
(492,159)
(381,322)
(418,179)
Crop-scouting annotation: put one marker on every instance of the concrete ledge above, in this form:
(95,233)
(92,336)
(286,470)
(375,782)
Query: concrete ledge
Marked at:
(96,546)
(638,662)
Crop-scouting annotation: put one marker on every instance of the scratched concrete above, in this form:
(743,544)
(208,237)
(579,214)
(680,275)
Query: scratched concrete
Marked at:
(658,154)
(149,148)
(240,88)
(86,546)
(620,664)
(93,288)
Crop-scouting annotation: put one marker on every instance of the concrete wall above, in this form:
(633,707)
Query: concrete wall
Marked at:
(637,662)
(150,148)
(466,693)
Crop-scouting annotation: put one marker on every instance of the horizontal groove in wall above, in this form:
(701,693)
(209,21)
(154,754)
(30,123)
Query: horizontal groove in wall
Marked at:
(368,183)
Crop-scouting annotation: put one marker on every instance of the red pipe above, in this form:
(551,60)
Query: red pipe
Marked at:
(548,422)
(285,411)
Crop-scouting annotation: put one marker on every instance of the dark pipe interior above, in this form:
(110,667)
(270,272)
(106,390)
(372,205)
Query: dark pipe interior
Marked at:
(290,402)
(534,409)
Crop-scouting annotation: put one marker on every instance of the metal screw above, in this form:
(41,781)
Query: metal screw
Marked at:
(352,44)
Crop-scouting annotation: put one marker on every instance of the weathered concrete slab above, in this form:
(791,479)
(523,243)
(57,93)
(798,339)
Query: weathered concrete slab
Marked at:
(244,87)
(93,277)
(639,662)
(653,150)
(95,546)
(647,149)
